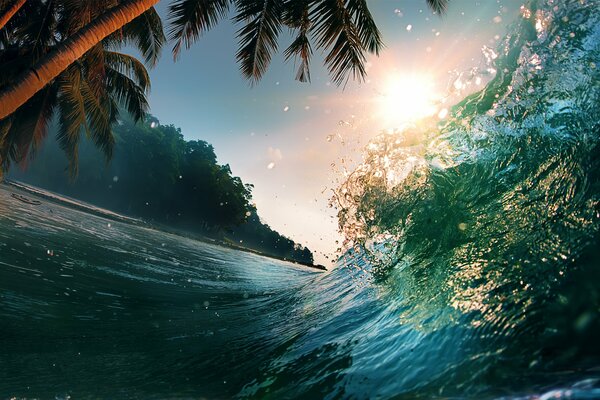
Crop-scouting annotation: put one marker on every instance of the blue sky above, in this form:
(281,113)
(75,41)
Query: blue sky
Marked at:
(294,141)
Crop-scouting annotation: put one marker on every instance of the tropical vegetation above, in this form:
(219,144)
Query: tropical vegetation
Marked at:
(53,56)
(85,96)
(62,61)
(156,175)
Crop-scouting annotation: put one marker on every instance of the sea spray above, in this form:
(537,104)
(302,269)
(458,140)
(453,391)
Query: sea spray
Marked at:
(472,267)
(489,217)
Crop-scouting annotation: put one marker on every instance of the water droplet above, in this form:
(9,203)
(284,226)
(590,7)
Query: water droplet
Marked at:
(409,27)
(286,108)
(271,165)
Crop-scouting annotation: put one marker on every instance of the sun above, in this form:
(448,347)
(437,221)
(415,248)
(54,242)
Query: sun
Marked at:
(407,98)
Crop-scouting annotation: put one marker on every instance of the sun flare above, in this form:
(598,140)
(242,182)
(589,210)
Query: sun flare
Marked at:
(407,98)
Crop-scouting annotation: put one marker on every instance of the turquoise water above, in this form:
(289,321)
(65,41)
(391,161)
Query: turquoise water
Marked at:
(472,270)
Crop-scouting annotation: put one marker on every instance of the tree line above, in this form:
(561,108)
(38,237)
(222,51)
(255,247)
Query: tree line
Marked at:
(157,175)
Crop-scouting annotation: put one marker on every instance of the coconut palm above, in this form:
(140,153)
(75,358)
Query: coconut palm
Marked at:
(87,95)
(8,9)
(343,28)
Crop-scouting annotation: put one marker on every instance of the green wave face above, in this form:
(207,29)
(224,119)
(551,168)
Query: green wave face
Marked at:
(490,218)
(472,269)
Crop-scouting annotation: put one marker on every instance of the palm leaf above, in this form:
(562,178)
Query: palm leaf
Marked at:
(258,38)
(189,19)
(100,116)
(35,27)
(130,66)
(45,112)
(145,33)
(336,31)
(438,6)
(297,18)
(71,106)
(92,68)
(22,133)
(126,92)
(5,147)
(368,32)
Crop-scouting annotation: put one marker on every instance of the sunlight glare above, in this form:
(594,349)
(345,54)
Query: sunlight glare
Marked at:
(407,98)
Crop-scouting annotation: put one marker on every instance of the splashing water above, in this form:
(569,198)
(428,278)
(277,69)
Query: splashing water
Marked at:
(471,269)
(490,218)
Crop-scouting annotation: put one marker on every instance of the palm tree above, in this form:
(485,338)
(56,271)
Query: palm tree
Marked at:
(71,49)
(86,95)
(343,28)
(8,10)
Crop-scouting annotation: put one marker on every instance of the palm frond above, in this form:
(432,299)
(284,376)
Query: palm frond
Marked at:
(258,37)
(368,32)
(33,27)
(336,31)
(75,15)
(72,120)
(438,6)
(126,92)
(4,4)
(5,147)
(130,66)
(44,115)
(189,19)
(297,18)
(100,117)
(145,33)
(92,68)
(24,130)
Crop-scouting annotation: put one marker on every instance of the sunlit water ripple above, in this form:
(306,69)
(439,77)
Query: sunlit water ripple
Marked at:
(473,269)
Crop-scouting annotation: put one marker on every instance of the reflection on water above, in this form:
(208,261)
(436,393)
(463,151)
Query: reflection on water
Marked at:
(473,270)
(91,306)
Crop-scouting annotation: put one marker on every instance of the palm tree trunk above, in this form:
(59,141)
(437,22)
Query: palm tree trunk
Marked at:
(12,10)
(31,81)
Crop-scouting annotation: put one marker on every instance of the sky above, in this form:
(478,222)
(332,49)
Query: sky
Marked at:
(295,141)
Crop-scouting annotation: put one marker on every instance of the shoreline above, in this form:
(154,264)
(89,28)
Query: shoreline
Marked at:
(104,213)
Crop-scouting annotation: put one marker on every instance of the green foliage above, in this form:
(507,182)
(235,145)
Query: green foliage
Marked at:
(344,30)
(256,235)
(87,95)
(156,175)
